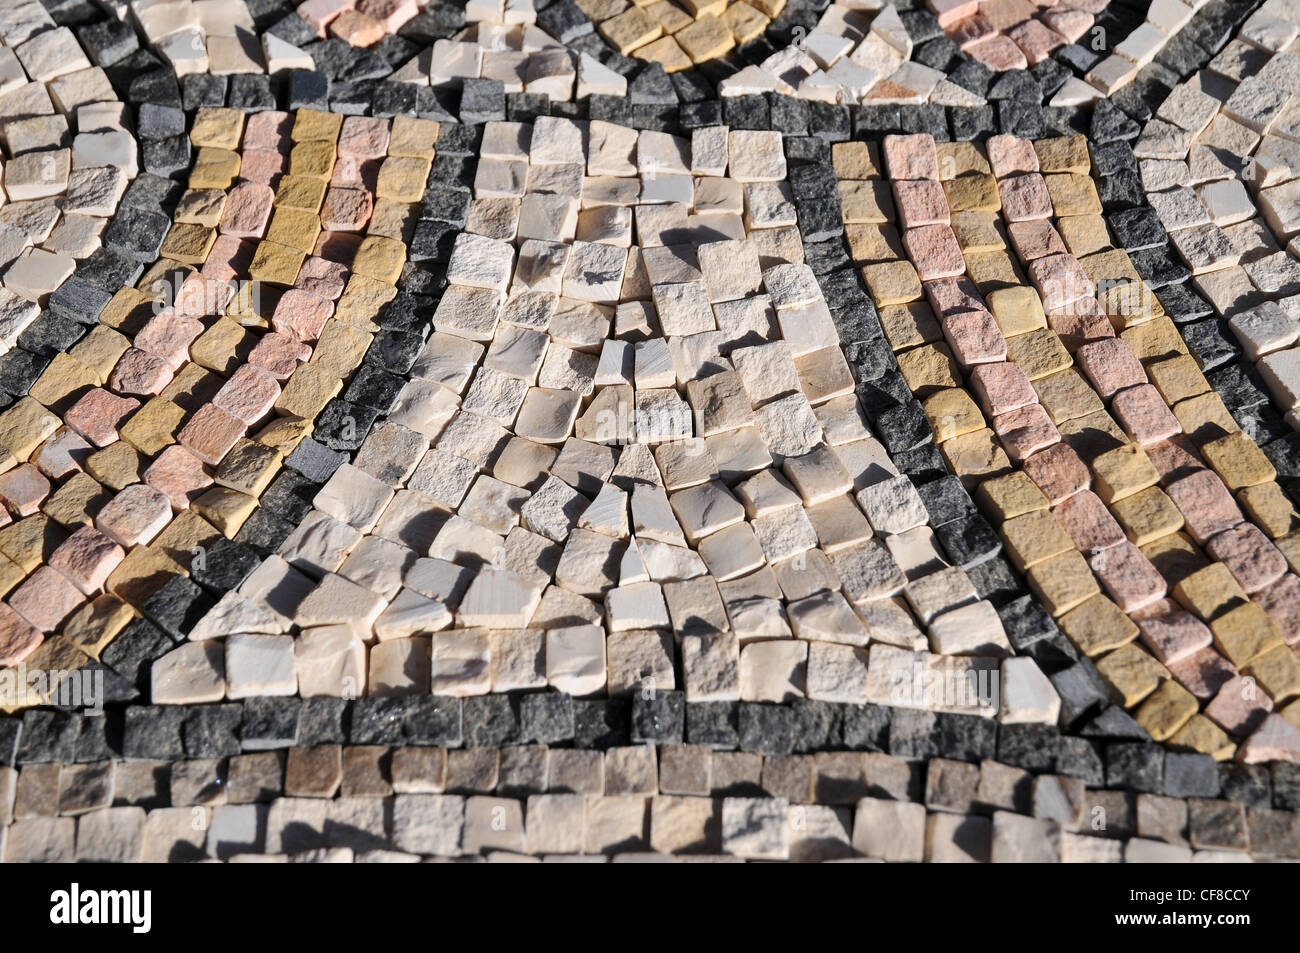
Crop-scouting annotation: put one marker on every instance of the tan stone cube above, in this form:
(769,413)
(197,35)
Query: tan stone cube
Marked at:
(1245,633)
(1009,496)
(1131,673)
(1239,461)
(1063,582)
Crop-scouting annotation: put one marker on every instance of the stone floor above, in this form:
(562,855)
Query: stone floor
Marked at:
(740,431)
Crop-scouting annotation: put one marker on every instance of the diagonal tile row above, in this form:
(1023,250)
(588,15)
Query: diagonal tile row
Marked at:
(1217,161)
(1065,478)
(248,318)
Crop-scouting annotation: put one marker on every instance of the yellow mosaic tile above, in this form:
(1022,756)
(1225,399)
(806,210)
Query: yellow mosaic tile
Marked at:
(413,137)
(380,258)
(283,434)
(667,53)
(1209,592)
(1033,538)
(1093,434)
(1017,310)
(978,231)
(909,325)
(249,468)
(1084,235)
(143,572)
(393,220)
(1270,509)
(1147,515)
(929,368)
(116,466)
(856,160)
(705,39)
(1062,582)
(217,127)
(63,382)
(275,263)
(301,192)
(224,508)
(744,22)
(1009,496)
(127,311)
(959,158)
(340,348)
(1238,461)
(1066,396)
(214,169)
(153,427)
(975,457)
(1098,626)
(869,202)
(92,627)
(403,179)
(362,299)
(1039,353)
(189,244)
(193,387)
(1122,472)
(200,207)
(1198,733)
(100,350)
(1245,633)
(294,228)
(11,574)
(1131,674)
(972,193)
(314,158)
(1063,154)
(1177,379)
(869,244)
(30,541)
(1073,194)
(1166,710)
(24,427)
(1204,417)
(76,502)
(894,282)
(1278,672)
(991,270)
(1290,548)
(186,535)
(316,124)
(630,29)
(1155,340)
(952,412)
(307,391)
(671,17)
